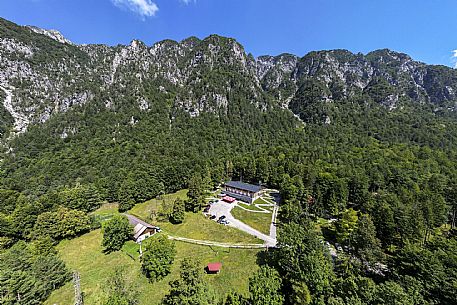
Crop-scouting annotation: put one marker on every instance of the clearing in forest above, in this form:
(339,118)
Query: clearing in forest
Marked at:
(85,255)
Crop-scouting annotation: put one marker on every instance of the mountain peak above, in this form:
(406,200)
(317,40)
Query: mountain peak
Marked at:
(388,55)
(54,34)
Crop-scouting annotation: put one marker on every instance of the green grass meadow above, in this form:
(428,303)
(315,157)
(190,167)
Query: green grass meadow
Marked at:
(251,207)
(259,221)
(145,210)
(84,254)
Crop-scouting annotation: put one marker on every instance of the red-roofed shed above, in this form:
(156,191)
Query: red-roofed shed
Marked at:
(214,267)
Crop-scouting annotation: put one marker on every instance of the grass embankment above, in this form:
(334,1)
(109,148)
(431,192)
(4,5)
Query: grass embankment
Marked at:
(264,200)
(106,211)
(259,221)
(251,207)
(85,255)
(197,226)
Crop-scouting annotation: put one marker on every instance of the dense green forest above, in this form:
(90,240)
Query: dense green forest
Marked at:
(384,176)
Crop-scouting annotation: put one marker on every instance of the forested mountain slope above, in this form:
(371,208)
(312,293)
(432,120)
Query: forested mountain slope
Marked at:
(181,99)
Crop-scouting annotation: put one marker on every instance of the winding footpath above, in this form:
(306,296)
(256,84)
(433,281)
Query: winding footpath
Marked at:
(217,244)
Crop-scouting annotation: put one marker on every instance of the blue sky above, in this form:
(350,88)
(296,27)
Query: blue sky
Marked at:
(425,29)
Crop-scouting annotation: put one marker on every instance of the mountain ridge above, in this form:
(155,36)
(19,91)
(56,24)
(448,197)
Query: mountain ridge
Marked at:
(67,75)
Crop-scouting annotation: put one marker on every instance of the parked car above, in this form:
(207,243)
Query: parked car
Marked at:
(213,217)
(222,217)
(221,220)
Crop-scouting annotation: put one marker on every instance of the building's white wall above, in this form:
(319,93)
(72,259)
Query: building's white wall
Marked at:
(144,236)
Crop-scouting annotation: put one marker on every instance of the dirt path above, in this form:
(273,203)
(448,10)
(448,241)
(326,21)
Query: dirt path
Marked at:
(217,244)
(273,222)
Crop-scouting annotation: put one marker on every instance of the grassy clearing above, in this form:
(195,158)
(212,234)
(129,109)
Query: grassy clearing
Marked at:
(197,226)
(145,210)
(84,254)
(259,221)
(259,201)
(132,249)
(106,211)
(268,208)
(264,200)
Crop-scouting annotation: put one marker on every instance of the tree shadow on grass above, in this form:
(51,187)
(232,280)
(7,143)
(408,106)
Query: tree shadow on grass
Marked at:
(267,257)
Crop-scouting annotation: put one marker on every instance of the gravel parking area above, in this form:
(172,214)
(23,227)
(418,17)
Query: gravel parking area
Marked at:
(224,208)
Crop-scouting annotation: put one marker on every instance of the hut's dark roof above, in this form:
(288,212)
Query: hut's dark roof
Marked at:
(134,221)
(244,186)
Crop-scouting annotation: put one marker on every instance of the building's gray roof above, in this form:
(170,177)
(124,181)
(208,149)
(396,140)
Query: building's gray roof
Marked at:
(134,221)
(139,226)
(244,186)
(138,230)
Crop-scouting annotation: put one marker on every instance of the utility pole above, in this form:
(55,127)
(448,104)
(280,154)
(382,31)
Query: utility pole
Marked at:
(78,293)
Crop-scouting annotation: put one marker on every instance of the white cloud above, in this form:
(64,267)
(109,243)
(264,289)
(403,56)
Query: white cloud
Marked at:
(454,58)
(188,1)
(144,8)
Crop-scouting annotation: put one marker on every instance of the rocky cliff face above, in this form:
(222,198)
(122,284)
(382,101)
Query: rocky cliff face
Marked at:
(53,34)
(42,73)
(383,76)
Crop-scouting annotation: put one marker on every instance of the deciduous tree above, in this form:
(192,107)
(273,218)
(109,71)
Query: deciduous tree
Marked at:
(158,256)
(190,288)
(265,287)
(116,231)
(119,291)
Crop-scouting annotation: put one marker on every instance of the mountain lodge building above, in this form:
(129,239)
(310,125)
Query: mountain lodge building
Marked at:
(243,191)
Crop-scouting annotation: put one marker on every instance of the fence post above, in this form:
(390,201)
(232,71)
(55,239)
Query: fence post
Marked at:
(78,293)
